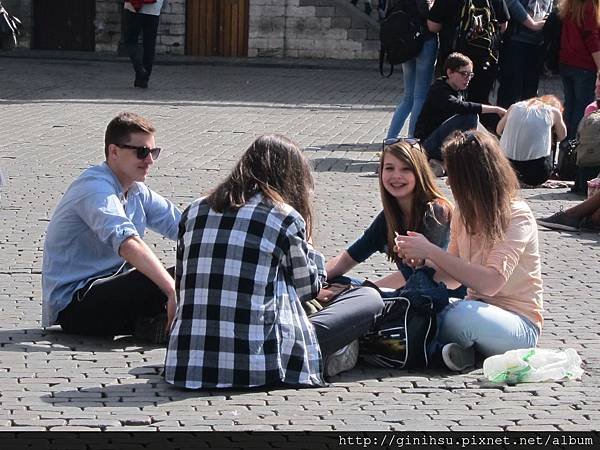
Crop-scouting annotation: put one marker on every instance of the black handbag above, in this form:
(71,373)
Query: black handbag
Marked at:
(566,165)
(402,333)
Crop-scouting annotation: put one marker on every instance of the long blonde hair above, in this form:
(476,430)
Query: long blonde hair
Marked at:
(575,10)
(426,191)
(482,181)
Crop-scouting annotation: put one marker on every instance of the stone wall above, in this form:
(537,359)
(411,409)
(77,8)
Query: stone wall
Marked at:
(311,29)
(279,28)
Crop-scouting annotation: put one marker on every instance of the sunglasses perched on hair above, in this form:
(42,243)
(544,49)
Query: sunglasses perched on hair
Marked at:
(392,141)
(142,151)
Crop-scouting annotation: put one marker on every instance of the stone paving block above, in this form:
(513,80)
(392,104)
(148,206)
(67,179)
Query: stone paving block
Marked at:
(206,116)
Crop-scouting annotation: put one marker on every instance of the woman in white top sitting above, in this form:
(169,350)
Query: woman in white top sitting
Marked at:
(526,131)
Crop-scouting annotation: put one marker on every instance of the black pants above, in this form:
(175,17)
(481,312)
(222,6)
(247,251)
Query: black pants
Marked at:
(111,306)
(535,171)
(147,24)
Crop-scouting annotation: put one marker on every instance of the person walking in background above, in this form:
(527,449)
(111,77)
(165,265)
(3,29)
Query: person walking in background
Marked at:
(527,137)
(456,21)
(521,57)
(417,73)
(142,16)
(579,57)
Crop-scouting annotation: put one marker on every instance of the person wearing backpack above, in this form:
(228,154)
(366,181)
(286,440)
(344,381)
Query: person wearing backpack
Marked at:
(521,55)
(417,72)
(579,57)
(473,28)
(445,110)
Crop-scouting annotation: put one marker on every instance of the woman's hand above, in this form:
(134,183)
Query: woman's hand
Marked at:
(413,246)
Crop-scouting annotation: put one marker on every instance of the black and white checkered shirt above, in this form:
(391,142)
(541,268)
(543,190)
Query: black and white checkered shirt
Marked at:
(240,277)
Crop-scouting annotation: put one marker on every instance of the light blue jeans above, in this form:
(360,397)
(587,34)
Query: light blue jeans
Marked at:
(492,330)
(417,76)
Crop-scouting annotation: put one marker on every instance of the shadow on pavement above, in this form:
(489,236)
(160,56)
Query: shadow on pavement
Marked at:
(54,340)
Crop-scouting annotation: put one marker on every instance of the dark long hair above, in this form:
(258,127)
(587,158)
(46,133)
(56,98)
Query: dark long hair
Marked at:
(482,181)
(274,166)
(426,191)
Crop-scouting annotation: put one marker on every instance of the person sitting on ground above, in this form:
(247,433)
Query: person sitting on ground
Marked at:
(411,201)
(527,140)
(446,110)
(493,251)
(244,266)
(99,277)
(585,215)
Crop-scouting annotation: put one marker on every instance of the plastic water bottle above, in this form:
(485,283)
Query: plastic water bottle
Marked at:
(533,365)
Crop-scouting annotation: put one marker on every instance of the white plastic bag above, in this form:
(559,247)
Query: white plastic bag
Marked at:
(530,365)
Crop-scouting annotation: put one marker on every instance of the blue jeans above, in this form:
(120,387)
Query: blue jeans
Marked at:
(578,87)
(462,122)
(519,72)
(417,77)
(492,330)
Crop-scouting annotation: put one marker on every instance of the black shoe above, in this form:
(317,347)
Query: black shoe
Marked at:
(141,83)
(152,329)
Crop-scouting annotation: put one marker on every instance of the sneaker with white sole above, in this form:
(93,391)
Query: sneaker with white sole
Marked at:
(458,358)
(561,221)
(342,360)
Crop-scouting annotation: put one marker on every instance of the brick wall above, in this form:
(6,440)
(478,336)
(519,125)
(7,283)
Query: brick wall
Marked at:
(311,29)
(280,28)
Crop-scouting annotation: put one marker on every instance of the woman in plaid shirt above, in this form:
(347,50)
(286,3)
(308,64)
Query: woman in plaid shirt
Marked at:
(244,265)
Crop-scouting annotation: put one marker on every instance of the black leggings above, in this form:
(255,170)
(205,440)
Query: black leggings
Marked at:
(535,171)
(112,305)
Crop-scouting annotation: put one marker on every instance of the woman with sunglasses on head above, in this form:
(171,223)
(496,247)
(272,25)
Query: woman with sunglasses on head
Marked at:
(493,251)
(411,201)
(446,109)
(245,264)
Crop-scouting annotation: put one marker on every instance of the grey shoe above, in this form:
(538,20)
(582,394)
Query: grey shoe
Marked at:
(458,358)
(344,359)
(560,221)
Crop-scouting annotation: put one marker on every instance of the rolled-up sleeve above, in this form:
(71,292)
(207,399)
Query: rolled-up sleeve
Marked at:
(162,216)
(305,265)
(504,256)
(104,214)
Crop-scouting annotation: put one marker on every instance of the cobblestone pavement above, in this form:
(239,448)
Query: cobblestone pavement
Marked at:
(52,119)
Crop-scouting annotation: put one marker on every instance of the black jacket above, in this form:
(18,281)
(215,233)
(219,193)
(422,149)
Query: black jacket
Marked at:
(442,102)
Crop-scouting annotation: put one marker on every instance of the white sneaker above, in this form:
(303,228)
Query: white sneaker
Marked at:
(458,358)
(342,360)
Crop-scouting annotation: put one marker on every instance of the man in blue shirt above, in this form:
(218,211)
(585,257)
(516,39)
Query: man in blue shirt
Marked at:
(99,277)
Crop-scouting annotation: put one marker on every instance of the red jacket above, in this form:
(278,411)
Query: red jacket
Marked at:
(137,4)
(578,43)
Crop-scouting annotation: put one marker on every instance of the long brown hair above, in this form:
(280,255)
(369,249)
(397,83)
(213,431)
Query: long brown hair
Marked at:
(426,191)
(575,10)
(482,181)
(274,166)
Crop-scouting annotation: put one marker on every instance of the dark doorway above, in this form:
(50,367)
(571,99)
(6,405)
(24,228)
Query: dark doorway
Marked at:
(217,28)
(64,25)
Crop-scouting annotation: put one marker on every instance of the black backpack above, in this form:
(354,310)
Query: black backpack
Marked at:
(402,333)
(551,43)
(478,33)
(401,34)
